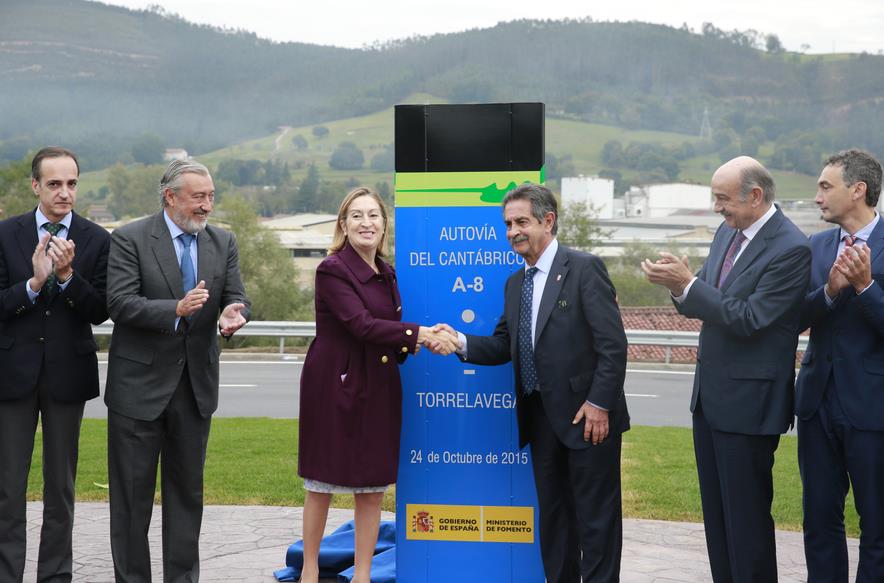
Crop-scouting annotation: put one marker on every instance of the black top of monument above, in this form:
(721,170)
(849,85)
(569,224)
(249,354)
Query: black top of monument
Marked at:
(469,138)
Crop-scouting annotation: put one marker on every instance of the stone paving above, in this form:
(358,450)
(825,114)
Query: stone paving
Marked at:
(247,543)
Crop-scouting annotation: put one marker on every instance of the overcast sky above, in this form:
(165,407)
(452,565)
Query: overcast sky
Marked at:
(826,26)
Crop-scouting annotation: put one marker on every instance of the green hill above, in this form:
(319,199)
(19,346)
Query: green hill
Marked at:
(579,142)
(99,77)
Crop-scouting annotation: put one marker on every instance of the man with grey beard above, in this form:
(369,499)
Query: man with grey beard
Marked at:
(173,283)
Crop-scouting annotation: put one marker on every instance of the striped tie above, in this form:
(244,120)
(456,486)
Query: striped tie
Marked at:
(730,257)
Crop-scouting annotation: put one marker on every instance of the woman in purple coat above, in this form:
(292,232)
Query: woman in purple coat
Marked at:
(351,394)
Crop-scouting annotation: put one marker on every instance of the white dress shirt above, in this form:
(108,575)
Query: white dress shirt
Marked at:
(175,231)
(862,237)
(41,232)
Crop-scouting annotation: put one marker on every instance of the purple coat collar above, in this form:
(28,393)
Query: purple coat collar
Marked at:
(359,267)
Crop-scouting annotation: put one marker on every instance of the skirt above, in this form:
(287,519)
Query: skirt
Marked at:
(324,488)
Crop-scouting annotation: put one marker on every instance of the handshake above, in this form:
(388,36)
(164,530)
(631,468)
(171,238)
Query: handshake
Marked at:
(438,339)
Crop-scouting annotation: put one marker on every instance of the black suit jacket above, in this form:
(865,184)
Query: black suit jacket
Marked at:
(147,354)
(56,333)
(579,350)
(746,358)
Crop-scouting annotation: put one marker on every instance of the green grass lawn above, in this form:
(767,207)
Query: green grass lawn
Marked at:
(254,461)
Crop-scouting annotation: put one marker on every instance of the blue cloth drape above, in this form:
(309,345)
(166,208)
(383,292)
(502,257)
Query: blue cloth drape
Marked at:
(336,552)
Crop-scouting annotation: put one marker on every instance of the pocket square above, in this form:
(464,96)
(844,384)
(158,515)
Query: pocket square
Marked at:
(563,303)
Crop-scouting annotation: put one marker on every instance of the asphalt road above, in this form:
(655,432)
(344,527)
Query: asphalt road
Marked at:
(259,387)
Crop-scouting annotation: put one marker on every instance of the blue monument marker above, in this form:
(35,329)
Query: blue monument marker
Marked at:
(465,496)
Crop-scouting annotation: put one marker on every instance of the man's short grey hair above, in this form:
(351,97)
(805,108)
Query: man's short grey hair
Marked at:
(757,176)
(172,178)
(542,201)
(859,166)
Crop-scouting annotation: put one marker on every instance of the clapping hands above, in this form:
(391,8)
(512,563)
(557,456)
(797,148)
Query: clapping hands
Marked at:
(439,339)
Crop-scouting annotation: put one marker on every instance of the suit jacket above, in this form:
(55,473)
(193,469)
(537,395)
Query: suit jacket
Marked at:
(846,339)
(147,354)
(56,333)
(746,358)
(579,347)
(351,393)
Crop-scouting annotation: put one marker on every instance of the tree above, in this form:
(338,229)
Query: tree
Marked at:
(612,154)
(748,146)
(320,132)
(772,44)
(148,149)
(133,191)
(308,192)
(299,142)
(16,196)
(383,190)
(331,193)
(384,161)
(268,273)
(557,167)
(633,288)
(347,156)
(578,227)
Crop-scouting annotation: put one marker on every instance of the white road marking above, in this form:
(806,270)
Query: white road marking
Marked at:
(237,386)
(648,371)
(642,395)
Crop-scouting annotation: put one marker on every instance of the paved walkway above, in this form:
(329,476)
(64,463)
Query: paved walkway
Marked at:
(247,543)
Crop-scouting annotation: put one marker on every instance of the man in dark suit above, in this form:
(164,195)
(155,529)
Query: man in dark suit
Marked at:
(562,328)
(748,295)
(170,277)
(53,265)
(840,389)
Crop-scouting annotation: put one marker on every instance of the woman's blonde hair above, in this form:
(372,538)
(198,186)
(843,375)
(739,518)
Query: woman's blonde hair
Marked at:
(340,237)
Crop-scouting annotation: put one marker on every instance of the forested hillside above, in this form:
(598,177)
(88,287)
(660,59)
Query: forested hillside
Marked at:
(101,78)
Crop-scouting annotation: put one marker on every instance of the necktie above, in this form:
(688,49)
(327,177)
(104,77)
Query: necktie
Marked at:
(730,257)
(526,344)
(850,240)
(51,286)
(188,276)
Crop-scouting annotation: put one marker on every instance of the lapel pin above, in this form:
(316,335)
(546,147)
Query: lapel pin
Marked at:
(559,277)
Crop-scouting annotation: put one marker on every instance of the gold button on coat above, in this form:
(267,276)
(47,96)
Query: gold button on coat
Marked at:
(384,359)
(408,332)
(404,349)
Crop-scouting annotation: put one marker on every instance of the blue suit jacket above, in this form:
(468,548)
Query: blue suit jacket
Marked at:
(846,340)
(746,359)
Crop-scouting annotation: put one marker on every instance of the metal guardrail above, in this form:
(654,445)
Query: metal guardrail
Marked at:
(282,330)
(670,339)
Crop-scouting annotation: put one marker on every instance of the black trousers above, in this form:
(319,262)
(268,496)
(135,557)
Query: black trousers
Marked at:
(736,489)
(60,424)
(835,456)
(578,493)
(177,440)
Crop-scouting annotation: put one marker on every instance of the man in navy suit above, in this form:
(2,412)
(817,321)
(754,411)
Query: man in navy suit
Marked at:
(562,329)
(748,295)
(840,388)
(53,266)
